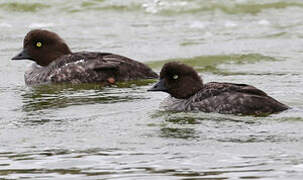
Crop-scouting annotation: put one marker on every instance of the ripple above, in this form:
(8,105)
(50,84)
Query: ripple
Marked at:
(40,25)
(61,96)
(210,63)
(163,7)
(23,7)
(247,7)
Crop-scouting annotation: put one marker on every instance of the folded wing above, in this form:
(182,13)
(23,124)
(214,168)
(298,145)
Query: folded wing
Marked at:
(231,98)
(88,67)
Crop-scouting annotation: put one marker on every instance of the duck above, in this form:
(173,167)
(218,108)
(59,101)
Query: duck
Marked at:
(189,93)
(54,62)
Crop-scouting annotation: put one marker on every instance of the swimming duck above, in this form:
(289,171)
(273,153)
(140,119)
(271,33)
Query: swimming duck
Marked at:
(188,93)
(55,63)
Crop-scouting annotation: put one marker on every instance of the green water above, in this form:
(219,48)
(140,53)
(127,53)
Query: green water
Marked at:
(92,132)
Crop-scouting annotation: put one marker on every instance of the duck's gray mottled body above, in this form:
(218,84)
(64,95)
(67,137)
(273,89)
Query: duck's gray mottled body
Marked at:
(188,93)
(88,67)
(226,98)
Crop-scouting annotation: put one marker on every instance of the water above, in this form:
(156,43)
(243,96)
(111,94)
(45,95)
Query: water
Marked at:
(91,132)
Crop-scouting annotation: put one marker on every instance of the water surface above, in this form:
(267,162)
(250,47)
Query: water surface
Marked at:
(93,132)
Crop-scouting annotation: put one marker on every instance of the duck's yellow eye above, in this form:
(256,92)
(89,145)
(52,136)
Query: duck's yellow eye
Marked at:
(39,44)
(175,76)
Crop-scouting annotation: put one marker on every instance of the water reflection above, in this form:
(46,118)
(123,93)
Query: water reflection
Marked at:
(183,120)
(92,163)
(222,128)
(182,133)
(199,117)
(61,96)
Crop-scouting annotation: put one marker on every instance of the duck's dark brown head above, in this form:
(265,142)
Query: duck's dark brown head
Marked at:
(43,47)
(179,80)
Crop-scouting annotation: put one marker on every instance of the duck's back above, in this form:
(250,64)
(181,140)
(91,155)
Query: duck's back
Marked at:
(231,98)
(89,67)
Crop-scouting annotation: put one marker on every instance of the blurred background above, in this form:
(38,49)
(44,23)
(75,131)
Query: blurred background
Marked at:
(92,132)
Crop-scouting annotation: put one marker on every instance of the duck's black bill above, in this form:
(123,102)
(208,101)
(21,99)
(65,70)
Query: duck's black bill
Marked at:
(22,55)
(159,86)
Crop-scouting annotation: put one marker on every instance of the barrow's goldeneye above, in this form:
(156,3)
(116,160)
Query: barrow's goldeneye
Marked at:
(55,63)
(188,93)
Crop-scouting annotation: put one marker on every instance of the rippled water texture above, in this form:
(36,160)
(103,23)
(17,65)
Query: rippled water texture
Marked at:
(93,132)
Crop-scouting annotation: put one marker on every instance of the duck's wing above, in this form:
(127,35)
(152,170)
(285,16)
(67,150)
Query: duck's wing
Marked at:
(98,67)
(236,99)
(229,87)
(126,68)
